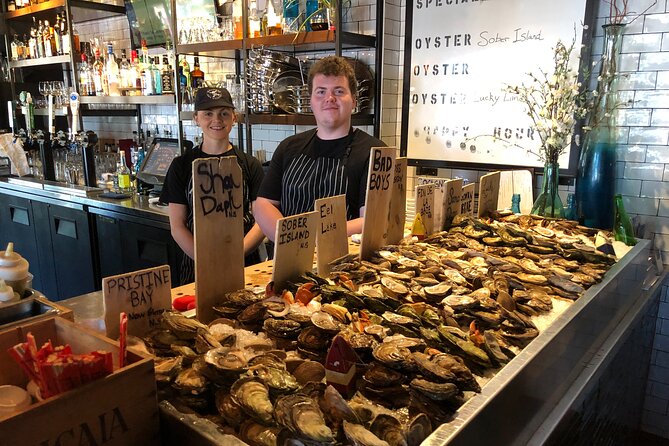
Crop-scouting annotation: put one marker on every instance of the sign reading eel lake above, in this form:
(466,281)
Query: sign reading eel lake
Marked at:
(143,295)
(463,53)
(218,223)
(331,238)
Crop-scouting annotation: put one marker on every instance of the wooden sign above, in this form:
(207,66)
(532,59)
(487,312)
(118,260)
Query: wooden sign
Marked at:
(143,295)
(425,206)
(331,236)
(515,182)
(488,192)
(377,202)
(437,210)
(294,243)
(451,201)
(398,203)
(467,199)
(218,223)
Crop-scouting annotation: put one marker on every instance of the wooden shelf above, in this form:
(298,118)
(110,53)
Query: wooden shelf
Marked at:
(319,41)
(165,99)
(284,119)
(82,10)
(40,61)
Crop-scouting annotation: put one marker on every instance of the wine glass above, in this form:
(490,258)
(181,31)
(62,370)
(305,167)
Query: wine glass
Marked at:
(44,88)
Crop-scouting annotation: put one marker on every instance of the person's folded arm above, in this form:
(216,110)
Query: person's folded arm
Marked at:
(267,213)
(180,233)
(355,226)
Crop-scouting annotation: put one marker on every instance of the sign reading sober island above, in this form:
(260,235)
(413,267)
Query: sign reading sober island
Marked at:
(218,213)
(398,203)
(467,199)
(451,203)
(143,295)
(425,206)
(331,237)
(294,243)
(377,201)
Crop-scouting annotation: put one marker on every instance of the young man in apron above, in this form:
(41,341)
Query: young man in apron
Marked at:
(331,159)
(215,115)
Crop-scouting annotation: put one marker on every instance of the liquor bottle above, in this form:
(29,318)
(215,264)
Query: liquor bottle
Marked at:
(46,39)
(183,81)
(125,72)
(148,88)
(39,41)
(123,174)
(311,8)
(99,78)
(11,5)
(185,69)
(134,80)
(15,48)
(622,225)
(86,84)
(112,72)
(237,13)
(32,43)
(167,76)
(197,75)
(157,78)
(273,19)
(75,40)
(26,47)
(515,203)
(65,35)
(55,36)
(254,20)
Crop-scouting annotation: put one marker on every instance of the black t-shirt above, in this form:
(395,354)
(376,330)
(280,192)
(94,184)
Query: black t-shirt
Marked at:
(178,188)
(305,168)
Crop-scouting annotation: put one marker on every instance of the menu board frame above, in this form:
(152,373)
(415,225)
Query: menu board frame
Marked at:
(414,133)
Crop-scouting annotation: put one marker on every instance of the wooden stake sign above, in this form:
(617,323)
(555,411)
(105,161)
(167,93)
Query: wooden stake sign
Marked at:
(331,236)
(377,201)
(515,182)
(438,210)
(451,203)
(294,244)
(143,295)
(425,206)
(488,192)
(398,203)
(467,199)
(218,223)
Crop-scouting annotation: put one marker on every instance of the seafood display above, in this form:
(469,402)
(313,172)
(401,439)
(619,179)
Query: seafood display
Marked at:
(429,321)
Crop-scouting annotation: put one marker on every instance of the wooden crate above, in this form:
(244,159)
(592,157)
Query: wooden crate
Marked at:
(120,409)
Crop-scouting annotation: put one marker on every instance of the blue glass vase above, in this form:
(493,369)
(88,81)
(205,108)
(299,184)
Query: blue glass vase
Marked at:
(595,178)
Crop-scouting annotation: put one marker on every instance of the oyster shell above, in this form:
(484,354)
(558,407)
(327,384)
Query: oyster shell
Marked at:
(301,414)
(389,429)
(253,396)
(359,436)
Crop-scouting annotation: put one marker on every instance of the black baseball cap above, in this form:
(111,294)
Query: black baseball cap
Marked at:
(211,97)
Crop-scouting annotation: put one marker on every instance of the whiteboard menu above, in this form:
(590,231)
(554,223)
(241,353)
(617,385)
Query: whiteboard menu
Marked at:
(462,55)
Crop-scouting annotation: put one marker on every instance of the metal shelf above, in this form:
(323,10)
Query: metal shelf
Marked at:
(165,99)
(284,119)
(40,61)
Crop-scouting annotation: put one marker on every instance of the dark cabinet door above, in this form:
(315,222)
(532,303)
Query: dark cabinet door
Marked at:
(73,257)
(17,225)
(147,246)
(109,245)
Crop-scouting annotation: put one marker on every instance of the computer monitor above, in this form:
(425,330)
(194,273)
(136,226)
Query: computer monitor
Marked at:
(158,159)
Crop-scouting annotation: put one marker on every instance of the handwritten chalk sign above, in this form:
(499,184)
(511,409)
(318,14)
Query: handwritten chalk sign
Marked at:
(398,203)
(425,206)
(451,201)
(515,182)
(143,295)
(467,199)
(438,211)
(294,244)
(218,223)
(377,203)
(488,193)
(331,237)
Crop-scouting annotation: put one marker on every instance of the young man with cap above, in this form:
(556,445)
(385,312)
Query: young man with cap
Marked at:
(215,115)
(331,159)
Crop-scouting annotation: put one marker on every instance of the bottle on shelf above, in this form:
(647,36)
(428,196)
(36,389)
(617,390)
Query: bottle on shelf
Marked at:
(197,75)
(273,17)
(75,40)
(515,203)
(148,87)
(167,77)
(11,5)
(185,69)
(157,78)
(64,35)
(14,48)
(123,174)
(310,13)
(112,72)
(622,225)
(291,16)
(254,20)
(86,84)
(99,78)
(47,40)
(125,79)
(26,49)
(237,25)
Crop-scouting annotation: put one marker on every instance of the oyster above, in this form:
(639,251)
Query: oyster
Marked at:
(336,408)
(380,376)
(282,328)
(435,391)
(228,408)
(394,354)
(393,287)
(359,436)
(277,379)
(309,371)
(182,326)
(253,396)
(190,381)
(301,415)
(326,322)
(257,434)
(389,429)
(418,429)
(313,338)
(241,298)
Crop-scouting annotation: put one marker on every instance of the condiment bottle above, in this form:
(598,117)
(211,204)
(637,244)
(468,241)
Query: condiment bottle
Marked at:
(6,292)
(12,265)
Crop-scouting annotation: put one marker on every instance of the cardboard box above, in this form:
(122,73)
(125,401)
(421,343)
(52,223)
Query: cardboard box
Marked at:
(120,409)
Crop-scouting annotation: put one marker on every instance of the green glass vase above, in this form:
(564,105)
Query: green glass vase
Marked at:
(548,203)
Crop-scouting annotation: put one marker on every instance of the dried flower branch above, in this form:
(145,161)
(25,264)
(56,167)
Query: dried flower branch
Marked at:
(618,11)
